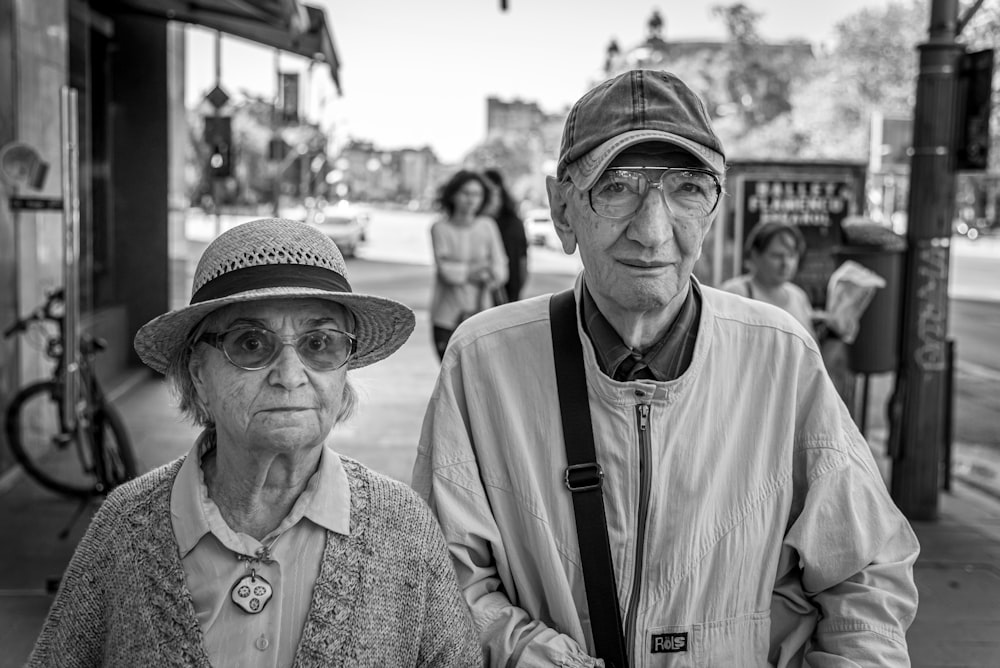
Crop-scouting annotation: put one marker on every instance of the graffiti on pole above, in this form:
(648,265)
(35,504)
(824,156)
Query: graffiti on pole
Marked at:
(931,294)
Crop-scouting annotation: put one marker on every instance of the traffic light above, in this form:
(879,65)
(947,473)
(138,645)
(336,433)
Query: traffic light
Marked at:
(219,138)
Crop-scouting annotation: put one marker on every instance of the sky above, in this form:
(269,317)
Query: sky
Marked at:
(417,72)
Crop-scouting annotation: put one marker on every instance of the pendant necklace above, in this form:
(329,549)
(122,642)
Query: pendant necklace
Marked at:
(251,592)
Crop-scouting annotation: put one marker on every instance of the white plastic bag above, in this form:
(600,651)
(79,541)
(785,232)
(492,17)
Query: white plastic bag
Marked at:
(850,290)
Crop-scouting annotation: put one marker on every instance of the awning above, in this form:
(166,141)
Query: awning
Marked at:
(288,25)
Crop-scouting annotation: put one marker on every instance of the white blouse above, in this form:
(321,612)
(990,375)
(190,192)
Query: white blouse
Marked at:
(208,549)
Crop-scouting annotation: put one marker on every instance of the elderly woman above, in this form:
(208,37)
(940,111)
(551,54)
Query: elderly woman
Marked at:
(263,547)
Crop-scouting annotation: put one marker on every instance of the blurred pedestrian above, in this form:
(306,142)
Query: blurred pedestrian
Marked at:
(469,259)
(772,252)
(263,546)
(647,471)
(503,210)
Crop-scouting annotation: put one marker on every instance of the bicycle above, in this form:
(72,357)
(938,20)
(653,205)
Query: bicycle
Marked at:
(39,432)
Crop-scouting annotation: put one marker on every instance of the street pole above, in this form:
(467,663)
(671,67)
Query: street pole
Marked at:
(921,379)
(276,180)
(216,183)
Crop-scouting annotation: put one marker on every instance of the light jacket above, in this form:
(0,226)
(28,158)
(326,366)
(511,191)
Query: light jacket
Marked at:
(744,508)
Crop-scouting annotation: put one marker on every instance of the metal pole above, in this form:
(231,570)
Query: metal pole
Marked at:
(216,184)
(923,356)
(276,179)
(949,414)
(70,156)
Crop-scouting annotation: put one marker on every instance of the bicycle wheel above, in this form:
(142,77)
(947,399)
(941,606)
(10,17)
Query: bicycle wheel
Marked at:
(112,448)
(44,449)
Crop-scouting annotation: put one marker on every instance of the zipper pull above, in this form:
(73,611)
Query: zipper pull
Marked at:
(643,417)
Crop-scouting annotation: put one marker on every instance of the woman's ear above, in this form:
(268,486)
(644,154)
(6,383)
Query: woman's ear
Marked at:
(196,368)
(557,207)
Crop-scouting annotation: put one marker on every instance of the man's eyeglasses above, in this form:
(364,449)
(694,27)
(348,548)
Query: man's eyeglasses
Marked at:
(688,192)
(255,348)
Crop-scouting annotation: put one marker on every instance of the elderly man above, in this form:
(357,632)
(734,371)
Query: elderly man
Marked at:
(740,519)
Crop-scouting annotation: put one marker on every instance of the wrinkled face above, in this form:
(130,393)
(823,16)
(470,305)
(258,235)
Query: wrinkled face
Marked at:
(469,198)
(286,406)
(639,263)
(777,263)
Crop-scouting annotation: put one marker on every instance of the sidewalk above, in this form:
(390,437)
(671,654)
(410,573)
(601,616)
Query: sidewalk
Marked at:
(958,572)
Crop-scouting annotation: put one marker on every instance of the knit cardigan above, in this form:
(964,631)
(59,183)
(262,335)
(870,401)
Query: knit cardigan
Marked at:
(385,596)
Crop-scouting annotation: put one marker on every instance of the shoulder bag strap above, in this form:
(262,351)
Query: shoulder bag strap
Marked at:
(585,478)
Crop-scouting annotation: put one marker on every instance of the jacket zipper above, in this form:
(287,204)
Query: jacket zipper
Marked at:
(645,453)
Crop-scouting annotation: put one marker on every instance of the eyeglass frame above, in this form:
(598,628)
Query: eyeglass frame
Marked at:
(214,339)
(658,186)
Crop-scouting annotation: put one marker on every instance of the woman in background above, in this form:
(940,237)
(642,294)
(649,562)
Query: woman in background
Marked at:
(772,252)
(469,259)
(515,242)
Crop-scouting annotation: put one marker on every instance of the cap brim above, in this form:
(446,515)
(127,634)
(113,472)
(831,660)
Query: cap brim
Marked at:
(381,325)
(584,171)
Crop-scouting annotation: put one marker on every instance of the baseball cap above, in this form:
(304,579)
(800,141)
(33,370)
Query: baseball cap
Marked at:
(635,107)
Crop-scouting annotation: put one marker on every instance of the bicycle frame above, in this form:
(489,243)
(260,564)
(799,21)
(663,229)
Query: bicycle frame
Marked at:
(80,399)
(76,390)
(67,411)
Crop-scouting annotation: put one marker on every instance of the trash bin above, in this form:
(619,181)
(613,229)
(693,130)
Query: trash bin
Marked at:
(876,247)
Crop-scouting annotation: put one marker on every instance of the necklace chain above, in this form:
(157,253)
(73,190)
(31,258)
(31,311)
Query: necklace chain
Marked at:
(262,555)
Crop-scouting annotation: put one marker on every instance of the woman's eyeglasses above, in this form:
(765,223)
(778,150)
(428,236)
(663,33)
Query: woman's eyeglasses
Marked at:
(255,348)
(620,191)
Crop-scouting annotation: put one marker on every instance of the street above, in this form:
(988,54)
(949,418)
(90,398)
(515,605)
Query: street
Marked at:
(384,432)
(126,125)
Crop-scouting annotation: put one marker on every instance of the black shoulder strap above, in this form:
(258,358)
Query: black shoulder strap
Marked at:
(585,478)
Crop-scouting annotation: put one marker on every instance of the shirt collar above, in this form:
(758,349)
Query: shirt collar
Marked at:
(666,359)
(326,500)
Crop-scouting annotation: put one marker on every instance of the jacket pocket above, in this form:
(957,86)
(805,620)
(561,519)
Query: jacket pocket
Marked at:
(738,641)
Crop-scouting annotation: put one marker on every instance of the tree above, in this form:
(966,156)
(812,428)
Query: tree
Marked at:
(872,66)
(876,56)
(758,87)
(515,157)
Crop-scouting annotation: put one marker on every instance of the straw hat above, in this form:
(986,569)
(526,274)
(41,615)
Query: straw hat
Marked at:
(268,259)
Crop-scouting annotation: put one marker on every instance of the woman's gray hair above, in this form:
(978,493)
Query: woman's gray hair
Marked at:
(193,408)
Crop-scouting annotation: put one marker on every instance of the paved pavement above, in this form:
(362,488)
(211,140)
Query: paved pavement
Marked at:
(958,572)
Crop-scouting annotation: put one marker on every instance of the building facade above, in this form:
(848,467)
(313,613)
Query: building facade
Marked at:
(405,176)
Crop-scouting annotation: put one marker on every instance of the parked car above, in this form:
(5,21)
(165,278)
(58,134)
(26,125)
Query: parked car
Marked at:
(344,224)
(539,229)
(973,228)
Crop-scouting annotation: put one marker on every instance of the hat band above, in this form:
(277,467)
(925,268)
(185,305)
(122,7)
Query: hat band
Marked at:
(271,276)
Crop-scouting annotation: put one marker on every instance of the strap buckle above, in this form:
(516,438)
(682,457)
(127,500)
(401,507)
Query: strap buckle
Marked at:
(584,477)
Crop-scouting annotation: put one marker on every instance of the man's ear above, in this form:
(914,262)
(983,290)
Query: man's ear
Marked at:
(557,207)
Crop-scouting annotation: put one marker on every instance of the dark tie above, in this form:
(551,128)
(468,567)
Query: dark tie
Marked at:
(633,368)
